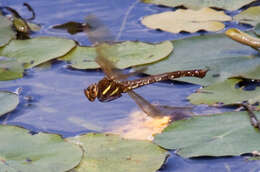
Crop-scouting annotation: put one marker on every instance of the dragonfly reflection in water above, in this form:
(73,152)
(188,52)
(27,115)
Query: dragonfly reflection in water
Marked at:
(114,84)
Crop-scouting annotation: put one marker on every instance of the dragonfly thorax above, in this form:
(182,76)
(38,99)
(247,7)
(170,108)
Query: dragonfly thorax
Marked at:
(105,90)
(108,90)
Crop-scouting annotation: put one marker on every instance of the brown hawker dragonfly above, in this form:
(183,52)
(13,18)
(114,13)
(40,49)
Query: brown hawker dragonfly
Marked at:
(114,84)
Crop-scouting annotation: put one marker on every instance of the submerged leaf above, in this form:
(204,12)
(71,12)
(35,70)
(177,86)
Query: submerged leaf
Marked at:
(22,151)
(123,54)
(8,102)
(10,69)
(187,20)
(224,58)
(71,27)
(35,51)
(196,4)
(249,16)
(109,153)
(216,135)
(227,92)
(6,32)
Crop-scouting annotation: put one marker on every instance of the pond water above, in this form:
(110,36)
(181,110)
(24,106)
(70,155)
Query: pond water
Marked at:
(52,98)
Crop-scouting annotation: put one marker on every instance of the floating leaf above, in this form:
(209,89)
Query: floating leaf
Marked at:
(8,102)
(243,38)
(109,153)
(187,20)
(124,54)
(6,32)
(257,29)
(249,16)
(217,135)
(35,51)
(197,4)
(82,58)
(227,92)
(224,58)
(21,151)
(10,69)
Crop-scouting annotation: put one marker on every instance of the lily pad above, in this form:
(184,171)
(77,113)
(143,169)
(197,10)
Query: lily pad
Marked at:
(6,31)
(224,58)
(249,16)
(187,20)
(109,153)
(8,102)
(257,29)
(10,69)
(243,38)
(35,51)
(197,4)
(21,151)
(123,54)
(216,135)
(227,92)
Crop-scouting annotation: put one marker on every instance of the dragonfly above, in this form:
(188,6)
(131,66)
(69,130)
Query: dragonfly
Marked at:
(114,84)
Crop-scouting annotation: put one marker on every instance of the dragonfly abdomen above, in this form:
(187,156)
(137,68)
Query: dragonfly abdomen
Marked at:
(129,85)
(199,73)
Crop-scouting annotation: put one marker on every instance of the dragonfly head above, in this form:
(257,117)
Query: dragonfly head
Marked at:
(91,92)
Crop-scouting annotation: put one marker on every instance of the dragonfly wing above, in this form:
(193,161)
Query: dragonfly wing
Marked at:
(101,37)
(106,65)
(96,30)
(146,107)
(175,113)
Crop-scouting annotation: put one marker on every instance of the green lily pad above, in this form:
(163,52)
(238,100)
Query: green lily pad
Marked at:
(6,31)
(257,29)
(187,20)
(225,92)
(249,16)
(10,69)
(109,153)
(35,51)
(21,151)
(224,58)
(8,102)
(216,135)
(254,73)
(197,4)
(123,54)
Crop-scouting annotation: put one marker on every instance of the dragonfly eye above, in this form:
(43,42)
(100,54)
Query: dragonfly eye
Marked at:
(91,92)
